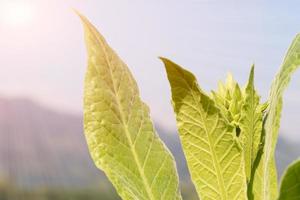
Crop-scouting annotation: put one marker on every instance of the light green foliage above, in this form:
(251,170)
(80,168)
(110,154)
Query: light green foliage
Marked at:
(118,129)
(243,110)
(213,153)
(290,183)
(251,125)
(228,136)
(272,120)
(256,125)
(229,100)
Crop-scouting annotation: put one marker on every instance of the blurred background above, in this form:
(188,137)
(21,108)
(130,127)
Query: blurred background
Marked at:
(43,154)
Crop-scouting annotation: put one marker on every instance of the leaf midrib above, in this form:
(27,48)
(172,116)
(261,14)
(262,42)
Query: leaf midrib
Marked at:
(252,131)
(214,157)
(127,133)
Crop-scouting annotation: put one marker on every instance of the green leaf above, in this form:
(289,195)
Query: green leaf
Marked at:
(290,183)
(251,125)
(118,129)
(212,150)
(272,121)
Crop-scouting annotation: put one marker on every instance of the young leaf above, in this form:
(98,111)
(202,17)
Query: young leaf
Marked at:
(213,153)
(118,129)
(272,120)
(290,183)
(229,99)
(251,125)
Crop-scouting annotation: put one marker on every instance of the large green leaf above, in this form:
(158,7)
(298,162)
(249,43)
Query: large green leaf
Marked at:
(212,150)
(266,170)
(251,125)
(290,183)
(118,129)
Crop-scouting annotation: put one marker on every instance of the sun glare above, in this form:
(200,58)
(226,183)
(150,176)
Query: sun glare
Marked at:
(17,13)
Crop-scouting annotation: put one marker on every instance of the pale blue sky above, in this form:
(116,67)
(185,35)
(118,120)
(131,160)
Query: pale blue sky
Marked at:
(44,58)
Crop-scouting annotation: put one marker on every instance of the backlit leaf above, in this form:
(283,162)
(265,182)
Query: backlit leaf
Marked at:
(251,125)
(290,183)
(267,169)
(118,129)
(213,153)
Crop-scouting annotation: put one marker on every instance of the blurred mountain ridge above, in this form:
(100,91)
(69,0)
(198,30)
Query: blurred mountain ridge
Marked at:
(41,147)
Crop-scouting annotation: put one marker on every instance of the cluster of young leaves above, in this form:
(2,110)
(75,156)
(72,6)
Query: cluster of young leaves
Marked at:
(228,136)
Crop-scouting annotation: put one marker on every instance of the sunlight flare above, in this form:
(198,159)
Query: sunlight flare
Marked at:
(17,13)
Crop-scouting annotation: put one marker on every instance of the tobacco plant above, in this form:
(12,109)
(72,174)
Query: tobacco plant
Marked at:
(228,135)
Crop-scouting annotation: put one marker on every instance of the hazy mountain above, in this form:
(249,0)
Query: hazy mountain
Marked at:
(286,152)
(40,147)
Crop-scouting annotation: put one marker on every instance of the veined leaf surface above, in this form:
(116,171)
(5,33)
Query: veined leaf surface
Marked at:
(118,129)
(251,125)
(290,183)
(213,153)
(267,168)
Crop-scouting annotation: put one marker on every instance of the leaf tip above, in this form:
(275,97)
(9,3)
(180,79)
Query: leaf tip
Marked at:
(164,59)
(86,23)
(83,18)
(76,11)
(167,62)
(252,68)
(251,75)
